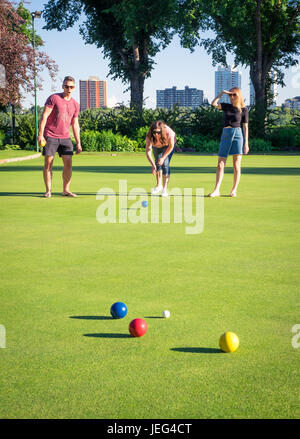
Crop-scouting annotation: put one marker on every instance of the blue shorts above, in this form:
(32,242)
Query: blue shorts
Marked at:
(158,153)
(232,141)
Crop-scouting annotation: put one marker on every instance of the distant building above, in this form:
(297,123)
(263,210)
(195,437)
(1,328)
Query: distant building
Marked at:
(292,103)
(93,93)
(189,98)
(225,79)
(274,91)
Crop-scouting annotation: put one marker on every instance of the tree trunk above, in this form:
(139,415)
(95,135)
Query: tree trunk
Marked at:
(258,77)
(136,90)
(13,119)
(137,78)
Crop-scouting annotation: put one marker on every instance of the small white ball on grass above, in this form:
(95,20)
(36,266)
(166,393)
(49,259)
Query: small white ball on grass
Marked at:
(166,314)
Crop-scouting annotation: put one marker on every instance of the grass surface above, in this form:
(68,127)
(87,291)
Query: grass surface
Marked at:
(11,154)
(61,271)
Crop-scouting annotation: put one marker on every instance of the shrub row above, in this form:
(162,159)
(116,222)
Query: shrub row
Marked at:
(106,141)
(206,145)
(199,129)
(284,138)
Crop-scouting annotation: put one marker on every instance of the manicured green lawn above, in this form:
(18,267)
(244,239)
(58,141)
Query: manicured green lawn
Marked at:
(10,154)
(61,270)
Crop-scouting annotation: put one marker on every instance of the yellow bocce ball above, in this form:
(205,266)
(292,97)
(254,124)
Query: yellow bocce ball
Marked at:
(229,342)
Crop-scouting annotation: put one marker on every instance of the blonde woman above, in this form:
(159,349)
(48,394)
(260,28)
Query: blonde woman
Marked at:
(234,139)
(162,140)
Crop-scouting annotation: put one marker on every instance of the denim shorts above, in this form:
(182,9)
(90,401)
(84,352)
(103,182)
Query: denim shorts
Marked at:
(158,153)
(232,141)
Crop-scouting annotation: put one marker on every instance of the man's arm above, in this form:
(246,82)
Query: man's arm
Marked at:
(46,113)
(76,132)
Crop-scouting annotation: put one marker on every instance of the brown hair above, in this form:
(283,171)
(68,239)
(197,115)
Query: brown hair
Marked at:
(68,78)
(158,125)
(240,103)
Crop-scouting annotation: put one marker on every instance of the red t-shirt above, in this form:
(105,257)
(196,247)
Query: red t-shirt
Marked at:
(60,118)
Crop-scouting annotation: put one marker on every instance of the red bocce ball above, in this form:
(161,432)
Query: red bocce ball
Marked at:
(138,327)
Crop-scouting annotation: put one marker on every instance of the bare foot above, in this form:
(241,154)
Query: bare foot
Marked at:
(214,194)
(47,195)
(69,194)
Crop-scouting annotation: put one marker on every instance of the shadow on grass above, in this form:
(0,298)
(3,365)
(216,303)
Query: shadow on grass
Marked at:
(153,317)
(92,317)
(145,169)
(23,194)
(108,335)
(198,350)
(33,194)
(93,194)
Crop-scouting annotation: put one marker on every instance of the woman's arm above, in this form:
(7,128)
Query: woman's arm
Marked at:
(215,101)
(245,131)
(149,155)
(167,152)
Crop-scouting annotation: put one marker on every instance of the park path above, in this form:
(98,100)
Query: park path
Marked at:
(19,159)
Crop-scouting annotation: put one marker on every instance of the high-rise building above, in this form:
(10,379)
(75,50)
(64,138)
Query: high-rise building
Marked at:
(93,93)
(292,103)
(274,90)
(189,97)
(225,79)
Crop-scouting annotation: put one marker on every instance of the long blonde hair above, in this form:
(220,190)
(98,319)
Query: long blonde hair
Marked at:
(240,104)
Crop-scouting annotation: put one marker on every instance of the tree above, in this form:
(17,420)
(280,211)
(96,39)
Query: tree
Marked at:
(262,34)
(17,56)
(130,33)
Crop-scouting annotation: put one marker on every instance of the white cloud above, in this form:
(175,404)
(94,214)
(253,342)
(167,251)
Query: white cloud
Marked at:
(112,101)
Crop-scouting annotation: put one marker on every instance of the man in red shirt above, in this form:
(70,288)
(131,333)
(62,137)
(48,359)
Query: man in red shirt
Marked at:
(60,112)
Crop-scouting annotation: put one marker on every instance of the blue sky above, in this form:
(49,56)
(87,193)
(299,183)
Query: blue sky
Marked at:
(175,66)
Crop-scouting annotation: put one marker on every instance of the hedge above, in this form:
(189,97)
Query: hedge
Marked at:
(106,141)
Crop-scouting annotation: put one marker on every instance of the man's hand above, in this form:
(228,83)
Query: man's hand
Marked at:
(41,140)
(154,170)
(78,149)
(160,161)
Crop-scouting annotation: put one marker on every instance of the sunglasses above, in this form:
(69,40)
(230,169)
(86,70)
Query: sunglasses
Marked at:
(156,131)
(233,94)
(69,86)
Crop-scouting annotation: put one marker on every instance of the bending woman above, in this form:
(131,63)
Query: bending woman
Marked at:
(162,140)
(234,139)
